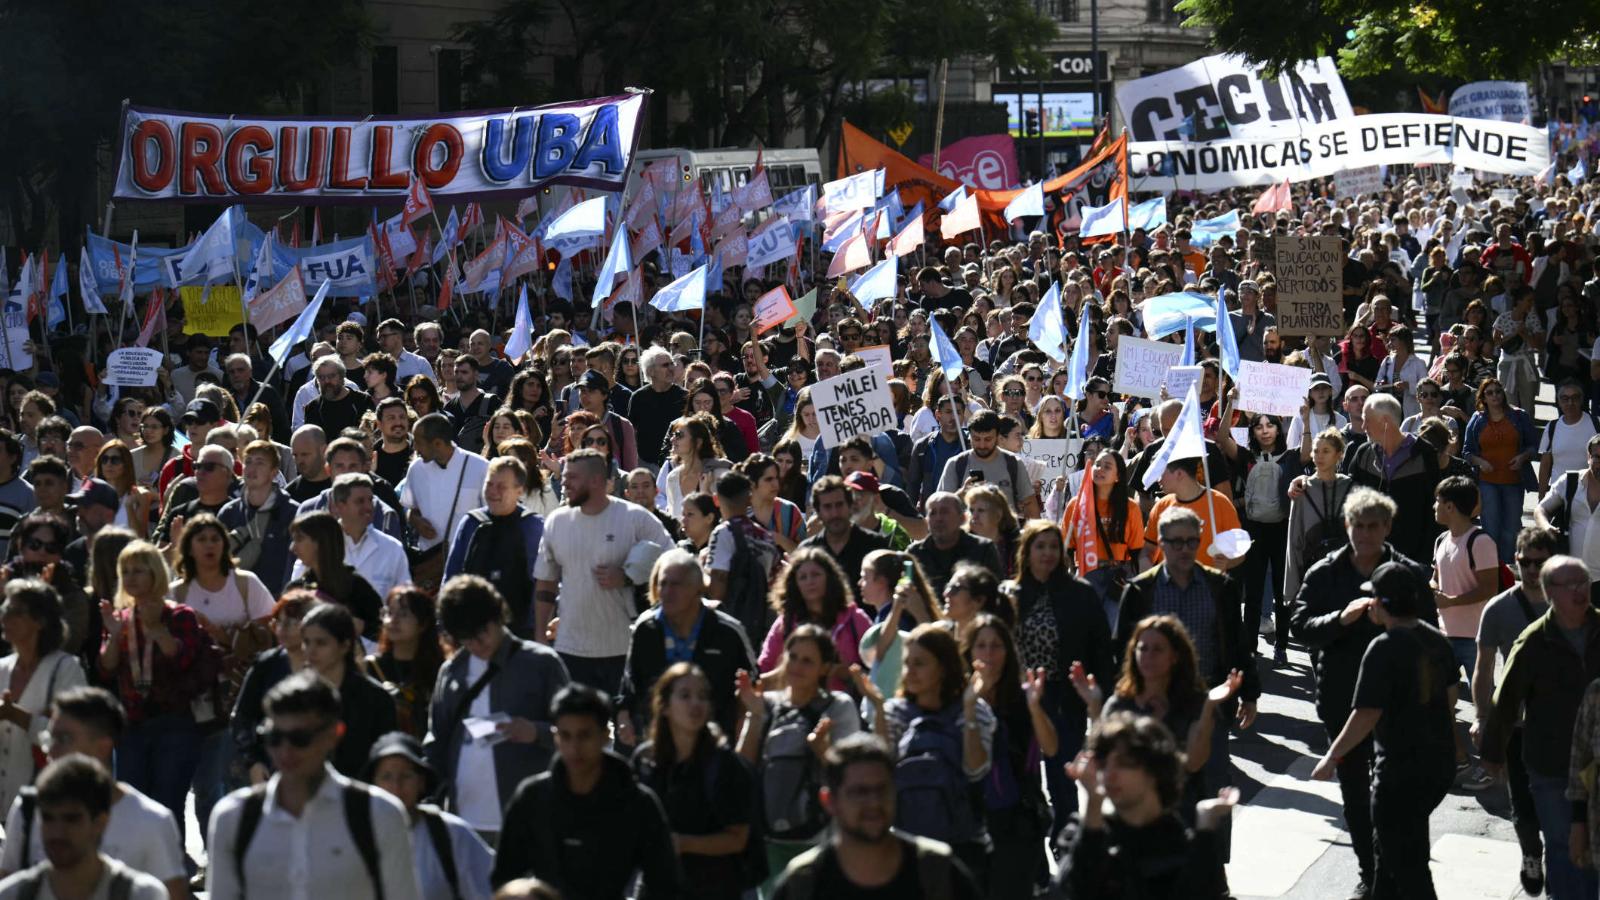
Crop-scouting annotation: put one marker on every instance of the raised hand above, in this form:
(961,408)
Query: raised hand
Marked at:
(1208,814)
(745,690)
(1229,687)
(978,683)
(108,617)
(1085,684)
(822,738)
(865,686)
(1033,687)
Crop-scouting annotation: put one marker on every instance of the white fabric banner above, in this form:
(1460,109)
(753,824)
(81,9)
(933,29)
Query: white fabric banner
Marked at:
(167,155)
(1506,101)
(1222,96)
(1505,148)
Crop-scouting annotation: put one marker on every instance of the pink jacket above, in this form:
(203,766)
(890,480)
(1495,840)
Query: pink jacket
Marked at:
(852,623)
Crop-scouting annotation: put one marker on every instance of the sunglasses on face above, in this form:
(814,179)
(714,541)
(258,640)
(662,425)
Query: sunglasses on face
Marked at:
(208,466)
(595,442)
(1013,392)
(38,546)
(1192,543)
(299,738)
(1101,394)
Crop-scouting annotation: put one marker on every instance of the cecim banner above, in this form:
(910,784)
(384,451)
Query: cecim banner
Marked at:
(168,155)
(1486,145)
(1221,97)
(988,161)
(1506,101)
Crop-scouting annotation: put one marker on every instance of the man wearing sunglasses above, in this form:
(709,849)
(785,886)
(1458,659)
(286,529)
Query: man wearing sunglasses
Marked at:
(141,833)
(309,831)
(213,481)
(1563,445)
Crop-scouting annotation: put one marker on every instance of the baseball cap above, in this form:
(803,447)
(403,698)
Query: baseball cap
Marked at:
(358,318)
(1397,587)
(95,491)
(591,380)
(398,743)
(201,411)
(1320,378)
(47,380)
(861,481)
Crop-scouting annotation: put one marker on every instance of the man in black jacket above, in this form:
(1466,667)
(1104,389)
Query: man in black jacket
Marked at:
(948,542)
(1395,464)
(653,406)
(679,627)
(1329,617)
(587,826)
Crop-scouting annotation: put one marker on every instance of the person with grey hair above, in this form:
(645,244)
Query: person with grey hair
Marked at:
(1251,322)
(338,406)
(1394,463)
(1328,615)
(83,446)
(241,384)
(654,406)
(828,360)
(679,627)
(949,542)
(1551,666)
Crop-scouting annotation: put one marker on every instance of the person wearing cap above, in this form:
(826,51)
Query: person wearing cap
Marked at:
(868,511)
(595,393)
(1551,664)
(452,861)
(199,418)
(1251,322)
(337,406)
(196,359)
(1405,697)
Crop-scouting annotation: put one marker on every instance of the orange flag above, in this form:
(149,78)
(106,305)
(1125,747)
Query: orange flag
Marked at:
(858,152)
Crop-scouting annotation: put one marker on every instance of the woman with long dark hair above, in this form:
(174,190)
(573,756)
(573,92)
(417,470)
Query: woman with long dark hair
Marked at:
(1316,517)
(705,788)
(812,590)
(699,516)
(333,650)
(900,604)
(1013,795)
(1104,543)
(115,466)
(792,472)
(531,393)
(159,434)
(1263,468)
(410,652)
(422,395)
(317,541)
(783,520)
(703,398)
(694,459)
(38,544)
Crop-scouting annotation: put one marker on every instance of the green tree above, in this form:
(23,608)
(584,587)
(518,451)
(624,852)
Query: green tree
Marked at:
(750,70)
(66,67)
(1462,39)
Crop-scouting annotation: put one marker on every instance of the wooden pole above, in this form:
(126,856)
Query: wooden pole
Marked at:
(938,118)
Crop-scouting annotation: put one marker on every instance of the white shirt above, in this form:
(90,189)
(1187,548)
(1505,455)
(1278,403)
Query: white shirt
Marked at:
(1411,371)
(142,834)
(1567,444)
(477,790)
(1319,424)
(311,855)
(379,558)
(434,492)
(410,364)
(226,607)
(57,672)
(595,621)
(474,860)
(1584,540)
(145,887)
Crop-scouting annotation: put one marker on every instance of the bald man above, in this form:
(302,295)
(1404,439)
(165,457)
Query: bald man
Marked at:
(83,447)
(494,373)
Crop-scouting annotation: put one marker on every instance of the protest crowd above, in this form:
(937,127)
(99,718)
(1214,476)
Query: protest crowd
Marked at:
(941,555)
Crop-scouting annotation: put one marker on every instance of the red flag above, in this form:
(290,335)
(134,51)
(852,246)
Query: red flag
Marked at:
(1429,104)
(380,243)
(471,220)
(1084,541)
(756,193)
(35,299)
(155,317)
(316,226)
(448,288)
(419,258)
(1274,199)
(294,236)
(419,202)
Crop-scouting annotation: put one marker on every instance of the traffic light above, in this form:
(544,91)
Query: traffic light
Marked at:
(1030,123)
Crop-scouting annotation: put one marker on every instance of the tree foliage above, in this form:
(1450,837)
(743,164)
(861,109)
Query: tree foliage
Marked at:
(66,67)
(749,70)
(1462,39)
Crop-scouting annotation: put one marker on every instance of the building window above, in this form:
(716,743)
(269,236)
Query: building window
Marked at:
(385,80)
(1164,11)
(449,80)
(1063,10)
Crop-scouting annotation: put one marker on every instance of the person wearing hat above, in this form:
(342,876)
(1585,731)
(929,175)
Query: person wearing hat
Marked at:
(1405,696)
(197,359)
(199,417)
(1317,414)
(452,861)
(594,395)
(868,510)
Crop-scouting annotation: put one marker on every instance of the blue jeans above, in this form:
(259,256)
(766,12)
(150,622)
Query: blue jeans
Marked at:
(1502,515)
(212,777)
(1466,653)
(158,757)
(1563,881)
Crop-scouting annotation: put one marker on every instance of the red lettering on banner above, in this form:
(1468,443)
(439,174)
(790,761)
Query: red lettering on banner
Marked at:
(339,174)
(436,177)
(254,176)
(316,157)
(157,179)
(382,175)
(199,155)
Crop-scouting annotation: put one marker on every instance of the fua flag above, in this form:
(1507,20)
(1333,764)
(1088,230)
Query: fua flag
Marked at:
(1028,203)
(212,257)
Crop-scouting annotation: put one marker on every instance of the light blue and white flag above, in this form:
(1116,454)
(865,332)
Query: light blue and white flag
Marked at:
(300,330)
(954,197)
(1078,366)
(1149,215)
(798,206)
(1028,203)
(521,340)
(1103,220)
(587,219)
(1206,232)
(686,293)
(616,266)
(87,285)
(1048,330)
(876,283)
(212,257)
(944,352)
(1227,344)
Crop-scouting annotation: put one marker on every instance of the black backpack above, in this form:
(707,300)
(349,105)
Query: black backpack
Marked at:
(748,582)
(1328,535)
(439,836)
(357,817)
(1562,521)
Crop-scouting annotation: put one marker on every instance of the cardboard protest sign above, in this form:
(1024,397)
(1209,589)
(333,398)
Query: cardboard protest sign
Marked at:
(1358,181)
(133,367)
(1180,377)
(1142,366)
(773,309)
(1057,456)
(857,402)
(16,356)
(1310,273)
(1272,388)
(211,314)
(879,355)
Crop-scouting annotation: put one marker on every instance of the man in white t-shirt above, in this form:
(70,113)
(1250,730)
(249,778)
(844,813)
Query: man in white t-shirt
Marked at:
(580,562)
(1583,540)
(1563,446)
(443,484)
(140,832)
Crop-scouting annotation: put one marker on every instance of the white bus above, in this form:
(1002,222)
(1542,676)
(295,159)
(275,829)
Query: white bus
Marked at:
(728,168)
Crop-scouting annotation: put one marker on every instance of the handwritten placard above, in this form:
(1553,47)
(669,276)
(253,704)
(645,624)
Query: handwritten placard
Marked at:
(133,367)
(773,309)
(1056,456)
(879,355)
(1310,274)
(857,402)
(17,357)
(1142,366)
(1272,388)
(1180,377)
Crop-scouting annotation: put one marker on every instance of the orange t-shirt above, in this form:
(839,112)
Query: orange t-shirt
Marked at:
(1499,444)
(1227,518)
(1124,547)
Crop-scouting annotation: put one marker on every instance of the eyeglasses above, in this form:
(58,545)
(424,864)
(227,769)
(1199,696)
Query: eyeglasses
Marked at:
(38,546)
(113,460)
(1192,543)
(299,738)
(1494,393)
